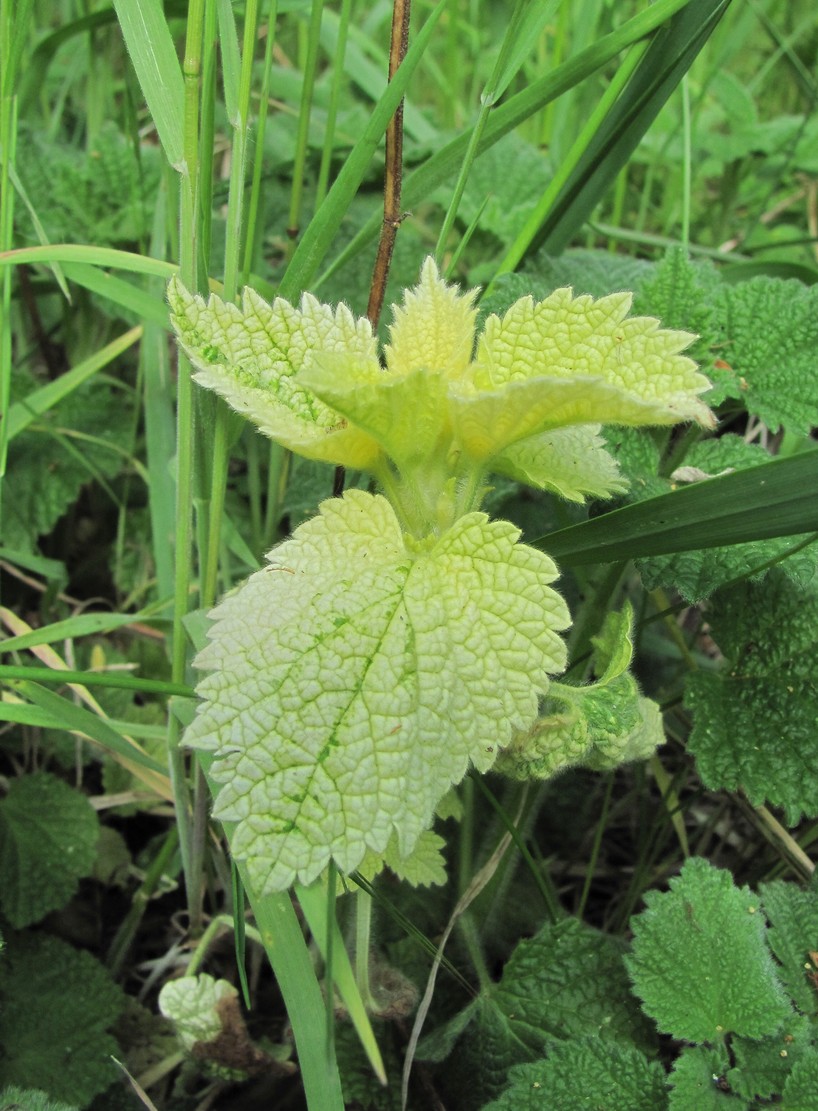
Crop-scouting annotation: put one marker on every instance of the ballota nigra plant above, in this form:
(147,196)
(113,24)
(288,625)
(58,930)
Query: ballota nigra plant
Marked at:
(400,636)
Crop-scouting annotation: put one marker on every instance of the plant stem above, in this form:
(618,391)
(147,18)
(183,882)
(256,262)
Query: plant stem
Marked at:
(393,174)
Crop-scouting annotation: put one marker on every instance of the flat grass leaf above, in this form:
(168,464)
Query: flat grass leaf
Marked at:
(354,679)
(793,937)
(697,1081)
(700,962)
(585,1075)
(58,1003)
(48,837)
(251,356)
(770,337)
(569,982)
(697,574)
(754,720)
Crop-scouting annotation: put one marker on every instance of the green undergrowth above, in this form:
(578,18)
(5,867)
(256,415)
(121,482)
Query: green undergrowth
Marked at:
(415,712)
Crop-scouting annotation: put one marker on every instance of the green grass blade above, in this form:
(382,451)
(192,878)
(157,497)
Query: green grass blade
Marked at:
(231,60)
(313,901)
(22,413)
(153,54)
(779,498)
(83,625)
(444,163)
(94,256)
(149,307)
(12,672)
(324,225)
(670,55)
(75,718)
(290,960)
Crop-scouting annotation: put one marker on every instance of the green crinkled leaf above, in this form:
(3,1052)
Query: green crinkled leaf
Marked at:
(502,201)
(571,360)
(770,339)
(700,962)
(48,837)
(697,574)
(801,1089)
(354,679)
(793,934)
(763,1066)
(14,1098)
(637,456)
(423,867)
(569,982)
(58,1003)
(585,1075)
(698,1081)
(600,725)
(380,406)
(680,293)
(595,272)
(251,356)
(50,467)
(754,721)
(487,1046)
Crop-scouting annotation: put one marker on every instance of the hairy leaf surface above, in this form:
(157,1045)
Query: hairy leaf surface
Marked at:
(355,678)
(48,837)
(700,961)
(754,721)
(585,1073)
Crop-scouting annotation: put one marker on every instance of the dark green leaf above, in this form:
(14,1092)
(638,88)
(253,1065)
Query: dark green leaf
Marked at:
(754,721)
(699,959)
(585,1074)
(48,837)
(57,1005)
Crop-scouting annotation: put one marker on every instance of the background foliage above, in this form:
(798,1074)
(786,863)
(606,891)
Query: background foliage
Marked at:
(640,938)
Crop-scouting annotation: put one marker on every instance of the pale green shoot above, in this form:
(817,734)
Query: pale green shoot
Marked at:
(393,642)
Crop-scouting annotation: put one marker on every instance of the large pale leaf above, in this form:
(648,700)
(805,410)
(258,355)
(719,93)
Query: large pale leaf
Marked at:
(573,360)
(355,678)
(251,356)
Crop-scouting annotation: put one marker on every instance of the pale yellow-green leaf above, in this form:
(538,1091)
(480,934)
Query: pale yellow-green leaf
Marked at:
(252,356)
(407,416)
(572,360)
(192,1003)
(433,328)
(423,867)
(572,462)
(354,679)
